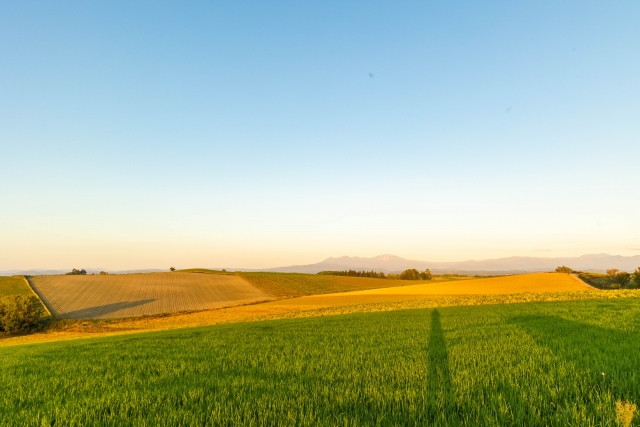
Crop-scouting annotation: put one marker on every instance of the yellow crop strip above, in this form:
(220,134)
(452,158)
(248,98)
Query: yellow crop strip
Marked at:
(536,282)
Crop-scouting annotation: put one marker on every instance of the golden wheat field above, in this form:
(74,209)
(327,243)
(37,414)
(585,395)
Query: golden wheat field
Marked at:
(131,295)
(537,282)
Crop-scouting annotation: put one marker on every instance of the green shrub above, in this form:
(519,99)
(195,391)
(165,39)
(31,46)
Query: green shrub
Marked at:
(622,278)
(636,277)
(20,314)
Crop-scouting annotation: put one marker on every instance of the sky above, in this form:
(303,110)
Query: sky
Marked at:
(263,134)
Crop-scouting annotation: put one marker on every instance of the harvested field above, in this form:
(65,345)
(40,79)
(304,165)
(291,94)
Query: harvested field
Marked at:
(130,295)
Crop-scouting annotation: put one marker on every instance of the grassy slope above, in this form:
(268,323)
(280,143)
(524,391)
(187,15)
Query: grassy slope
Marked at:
(202,270)
(13,286)
(525,364)
(297,284)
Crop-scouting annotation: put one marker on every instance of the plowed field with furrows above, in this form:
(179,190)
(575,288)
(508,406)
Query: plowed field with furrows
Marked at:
(130,295)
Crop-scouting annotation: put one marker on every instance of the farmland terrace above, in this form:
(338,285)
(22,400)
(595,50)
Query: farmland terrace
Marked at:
(71,295)
(131,295)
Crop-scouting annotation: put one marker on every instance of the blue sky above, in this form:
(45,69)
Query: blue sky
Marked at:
(257,134)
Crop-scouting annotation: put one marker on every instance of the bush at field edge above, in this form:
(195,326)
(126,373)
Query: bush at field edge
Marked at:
(20,314)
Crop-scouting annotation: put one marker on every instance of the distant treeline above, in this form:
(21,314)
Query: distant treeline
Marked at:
(75,272)
(354,273)
(410,274)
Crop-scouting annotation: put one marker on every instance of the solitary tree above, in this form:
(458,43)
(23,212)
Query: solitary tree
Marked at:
(564,269)
(172,268)
(612,272)
(636,277)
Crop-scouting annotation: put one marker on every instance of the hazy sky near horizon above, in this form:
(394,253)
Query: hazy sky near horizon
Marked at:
(260,134)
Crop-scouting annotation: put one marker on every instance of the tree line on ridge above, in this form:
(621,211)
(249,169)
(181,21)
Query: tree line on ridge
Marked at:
(410,274)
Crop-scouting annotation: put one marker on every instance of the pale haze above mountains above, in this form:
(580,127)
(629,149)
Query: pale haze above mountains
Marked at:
(393,264)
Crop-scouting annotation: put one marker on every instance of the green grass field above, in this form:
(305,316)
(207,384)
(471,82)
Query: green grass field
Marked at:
(295,285)
(203,270)
(10,286)
(520,364)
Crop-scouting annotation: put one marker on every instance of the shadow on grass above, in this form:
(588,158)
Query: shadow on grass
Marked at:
(592,350)
(441,404)
(101,310)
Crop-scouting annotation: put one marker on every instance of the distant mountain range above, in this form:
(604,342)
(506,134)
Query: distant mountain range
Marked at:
(395,264)
(510,265)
